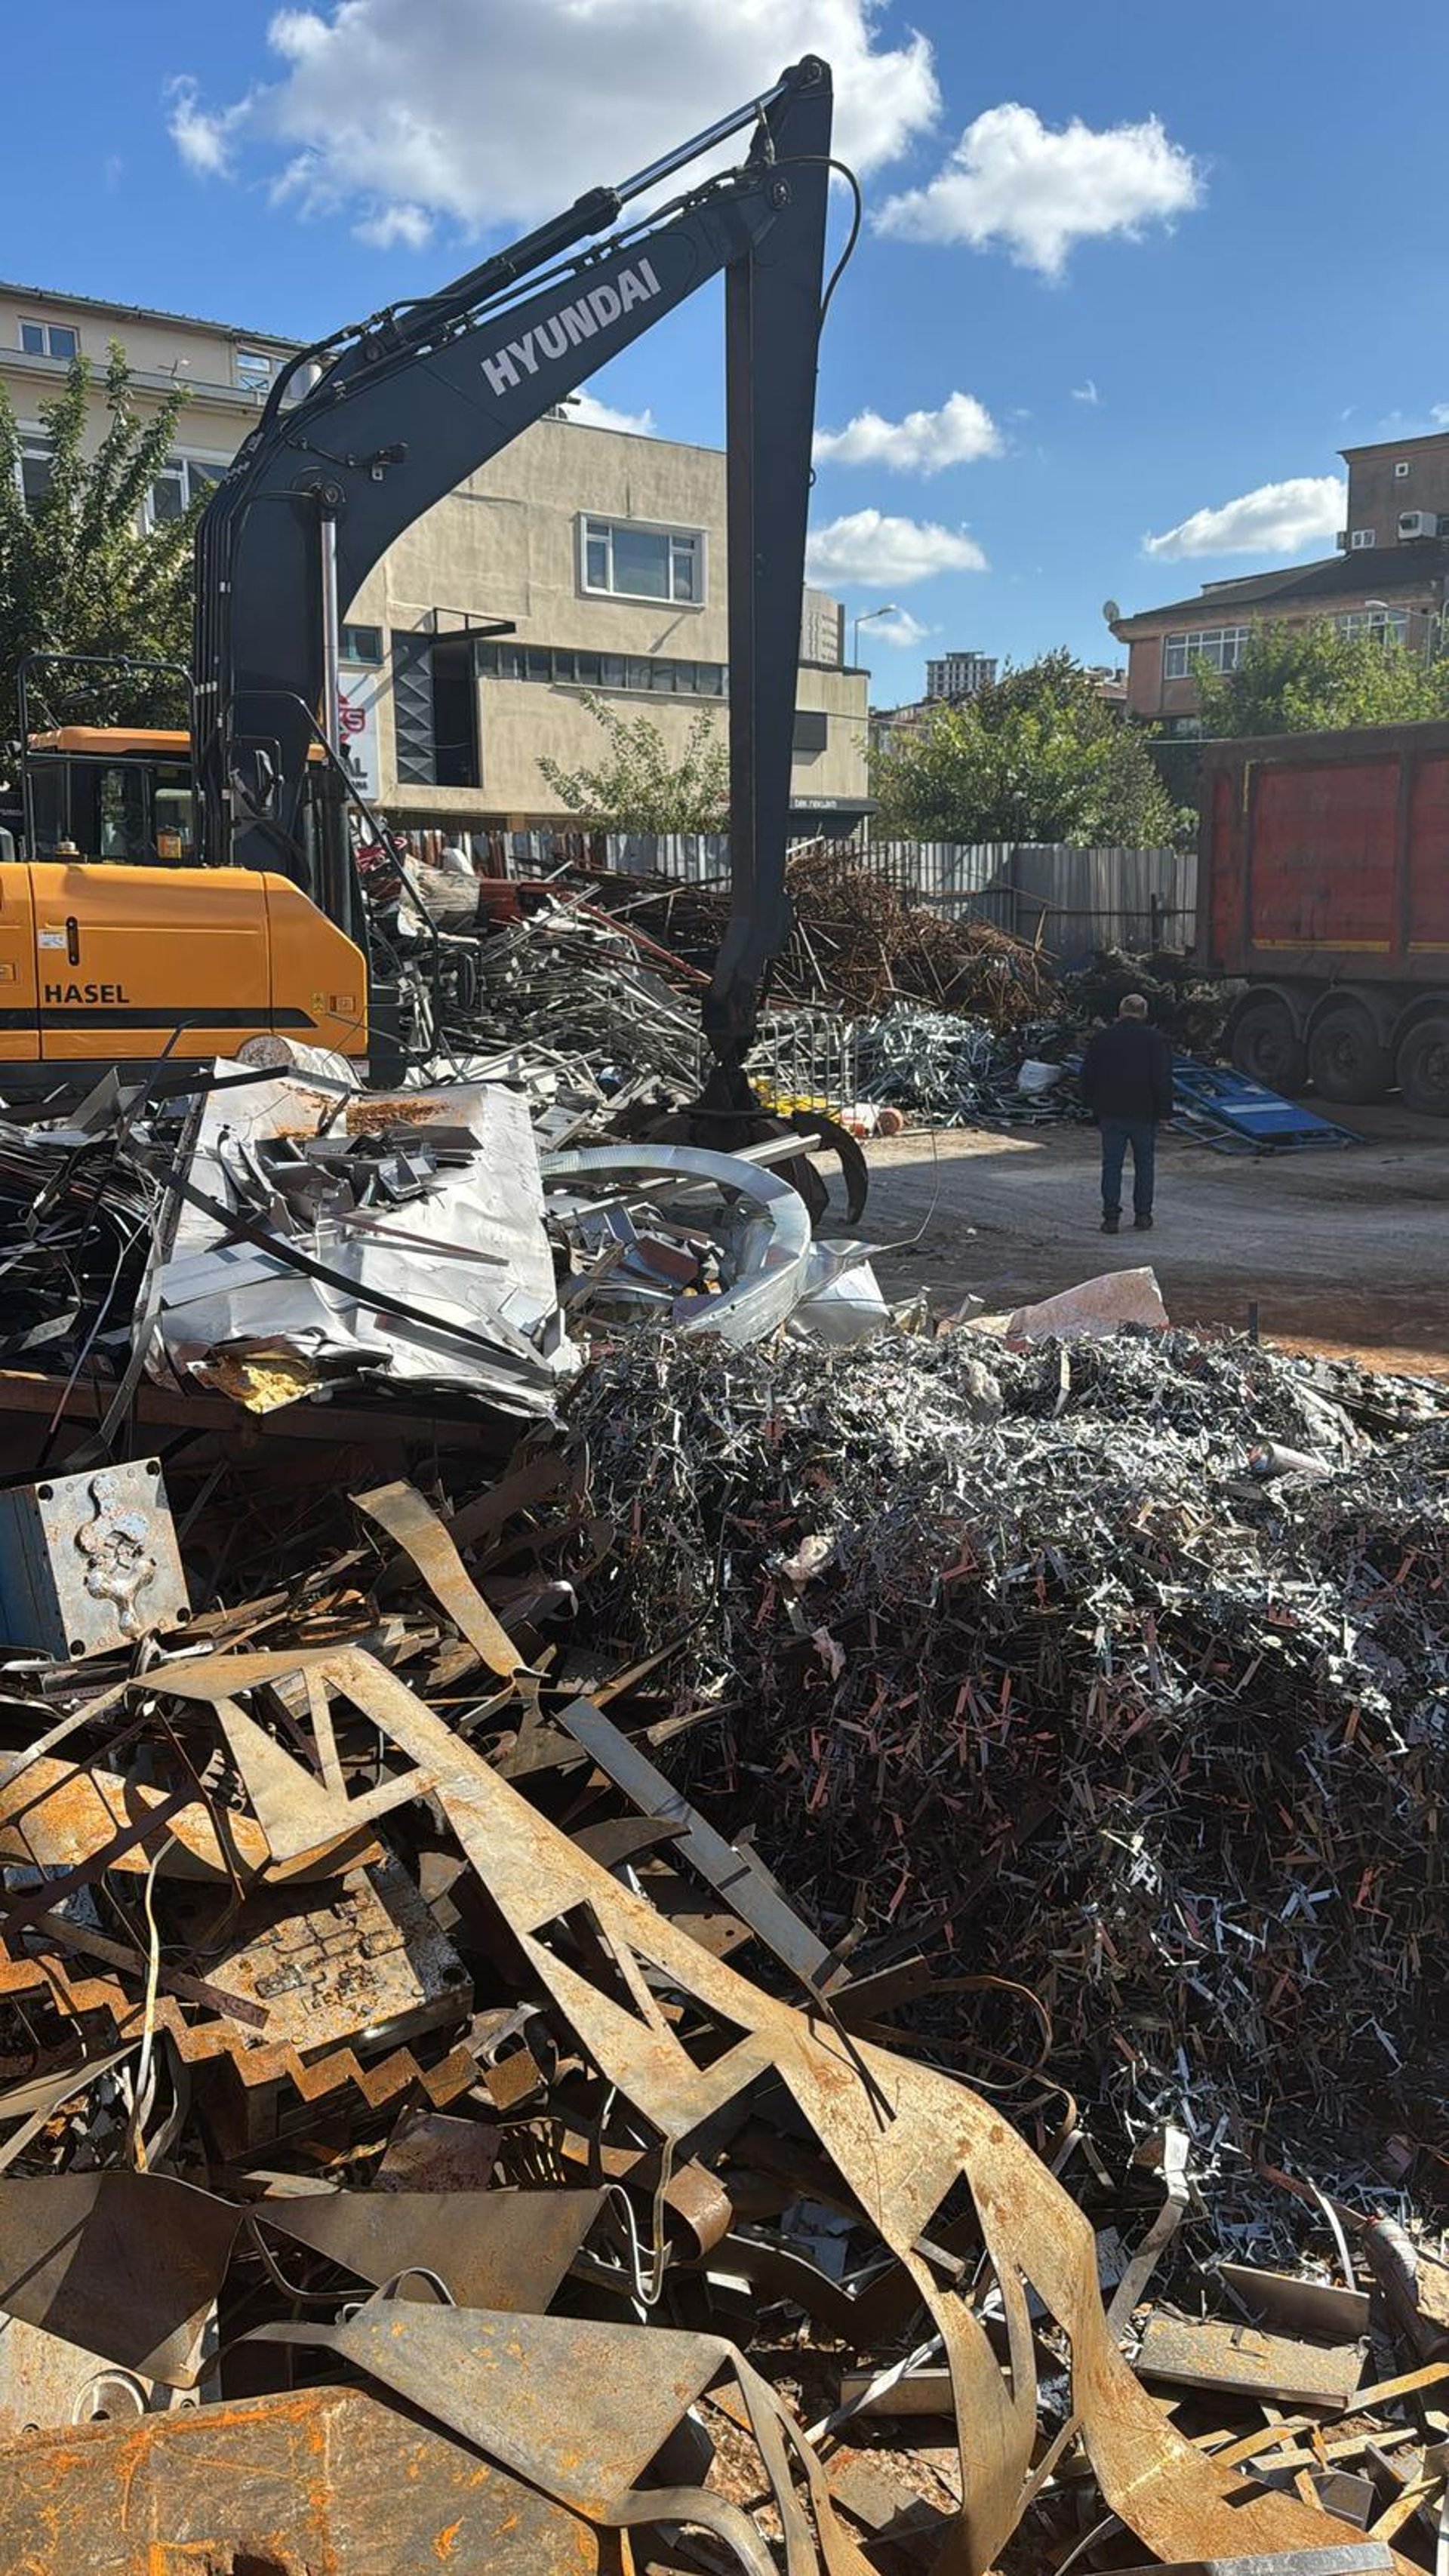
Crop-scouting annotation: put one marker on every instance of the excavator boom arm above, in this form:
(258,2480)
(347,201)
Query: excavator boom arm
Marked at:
(410,405)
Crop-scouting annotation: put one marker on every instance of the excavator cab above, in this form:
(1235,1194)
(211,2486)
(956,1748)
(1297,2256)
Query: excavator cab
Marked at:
(119,944)
(123,793)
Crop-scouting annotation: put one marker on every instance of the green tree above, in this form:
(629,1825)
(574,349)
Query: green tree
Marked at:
(638,787)
(80,572)
(1036,757)
(1311,678)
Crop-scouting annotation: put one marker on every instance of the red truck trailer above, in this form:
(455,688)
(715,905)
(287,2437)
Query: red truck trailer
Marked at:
(1323,881)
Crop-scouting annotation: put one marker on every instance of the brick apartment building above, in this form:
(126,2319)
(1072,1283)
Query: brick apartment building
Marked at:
(1390,577)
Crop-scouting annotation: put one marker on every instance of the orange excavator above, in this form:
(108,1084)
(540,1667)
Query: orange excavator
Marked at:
(172,894)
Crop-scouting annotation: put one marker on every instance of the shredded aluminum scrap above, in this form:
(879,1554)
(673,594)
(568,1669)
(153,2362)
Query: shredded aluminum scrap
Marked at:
(1014,1656)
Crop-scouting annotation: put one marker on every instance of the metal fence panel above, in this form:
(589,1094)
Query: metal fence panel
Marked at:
(1066,901)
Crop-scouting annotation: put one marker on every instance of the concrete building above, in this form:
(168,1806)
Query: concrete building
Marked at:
(1388,578)
(580,559)
(959,675)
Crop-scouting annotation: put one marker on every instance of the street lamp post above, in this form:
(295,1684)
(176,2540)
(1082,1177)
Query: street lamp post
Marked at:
(866,614)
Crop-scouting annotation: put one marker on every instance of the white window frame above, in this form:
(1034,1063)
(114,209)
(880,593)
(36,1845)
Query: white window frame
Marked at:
(246,355)
(30,435)
(1221,647)
(1401,470)
(1360,539)
(696,537)
(185,458)
(1374,621)
(32,322)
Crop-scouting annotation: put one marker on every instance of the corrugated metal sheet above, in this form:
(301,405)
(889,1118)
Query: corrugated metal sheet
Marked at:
(1074,901)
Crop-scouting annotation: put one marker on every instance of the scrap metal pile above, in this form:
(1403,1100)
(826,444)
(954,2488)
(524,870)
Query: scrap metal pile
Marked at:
(424,2139)
(427,2138)
(280,1238)
(955,1071)
(562,980)
(1017,1657)
(858,942)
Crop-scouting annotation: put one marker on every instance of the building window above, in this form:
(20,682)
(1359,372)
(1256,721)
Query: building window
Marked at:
(35,466)
(1390,625)
(1220,647)
(654,675)
(255,370)
(625,560)
(1401,470)
(361,644)
(49,340)
(1360,538)
(182,480)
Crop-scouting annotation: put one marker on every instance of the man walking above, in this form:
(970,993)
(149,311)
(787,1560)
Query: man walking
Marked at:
(1127,1085)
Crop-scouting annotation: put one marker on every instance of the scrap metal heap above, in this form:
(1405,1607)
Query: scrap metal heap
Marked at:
(426,2137)
(1018,1656)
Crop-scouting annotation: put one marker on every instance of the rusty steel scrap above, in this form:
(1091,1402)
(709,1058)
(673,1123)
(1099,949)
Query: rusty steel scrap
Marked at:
(824,1973)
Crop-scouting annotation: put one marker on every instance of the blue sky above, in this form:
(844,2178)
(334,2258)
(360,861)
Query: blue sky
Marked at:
(1208,252)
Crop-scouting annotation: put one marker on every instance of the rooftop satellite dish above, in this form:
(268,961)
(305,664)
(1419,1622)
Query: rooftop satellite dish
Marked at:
(1111,611)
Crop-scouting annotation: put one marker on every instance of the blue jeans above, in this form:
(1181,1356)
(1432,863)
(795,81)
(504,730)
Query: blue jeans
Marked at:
(1117,1135)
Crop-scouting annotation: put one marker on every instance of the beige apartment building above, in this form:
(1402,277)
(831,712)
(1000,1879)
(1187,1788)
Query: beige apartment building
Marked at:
(580,559)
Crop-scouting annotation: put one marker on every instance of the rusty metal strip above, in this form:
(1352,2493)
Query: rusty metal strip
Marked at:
(901,2135)
(16,1914)
(402,1512)
(735,1875)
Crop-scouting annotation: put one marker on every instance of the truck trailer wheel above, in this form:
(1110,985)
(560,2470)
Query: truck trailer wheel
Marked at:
(1423,1068)
(1267,1047)
(1347,1058)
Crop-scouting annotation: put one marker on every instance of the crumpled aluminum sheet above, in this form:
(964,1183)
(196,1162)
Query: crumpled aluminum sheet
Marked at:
(469,1256)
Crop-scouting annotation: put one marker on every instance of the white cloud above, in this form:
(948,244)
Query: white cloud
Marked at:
(1087,393)
(495,112)
(389,225)
(1014,181)
(925,441)
(901,629)
(878,553)
(1438,413)
(202,135)
(593,414)
(1276,519)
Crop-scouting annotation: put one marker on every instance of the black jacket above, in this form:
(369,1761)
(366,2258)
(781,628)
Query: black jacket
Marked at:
(1127,1072)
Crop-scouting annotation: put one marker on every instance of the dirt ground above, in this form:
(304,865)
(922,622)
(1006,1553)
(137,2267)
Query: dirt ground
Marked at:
(1344,1251)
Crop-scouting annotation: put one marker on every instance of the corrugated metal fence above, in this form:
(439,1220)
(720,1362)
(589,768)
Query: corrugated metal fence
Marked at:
(1067,901)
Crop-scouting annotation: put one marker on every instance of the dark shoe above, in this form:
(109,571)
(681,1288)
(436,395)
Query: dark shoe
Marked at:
(1110,1224)
(1142,1224)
